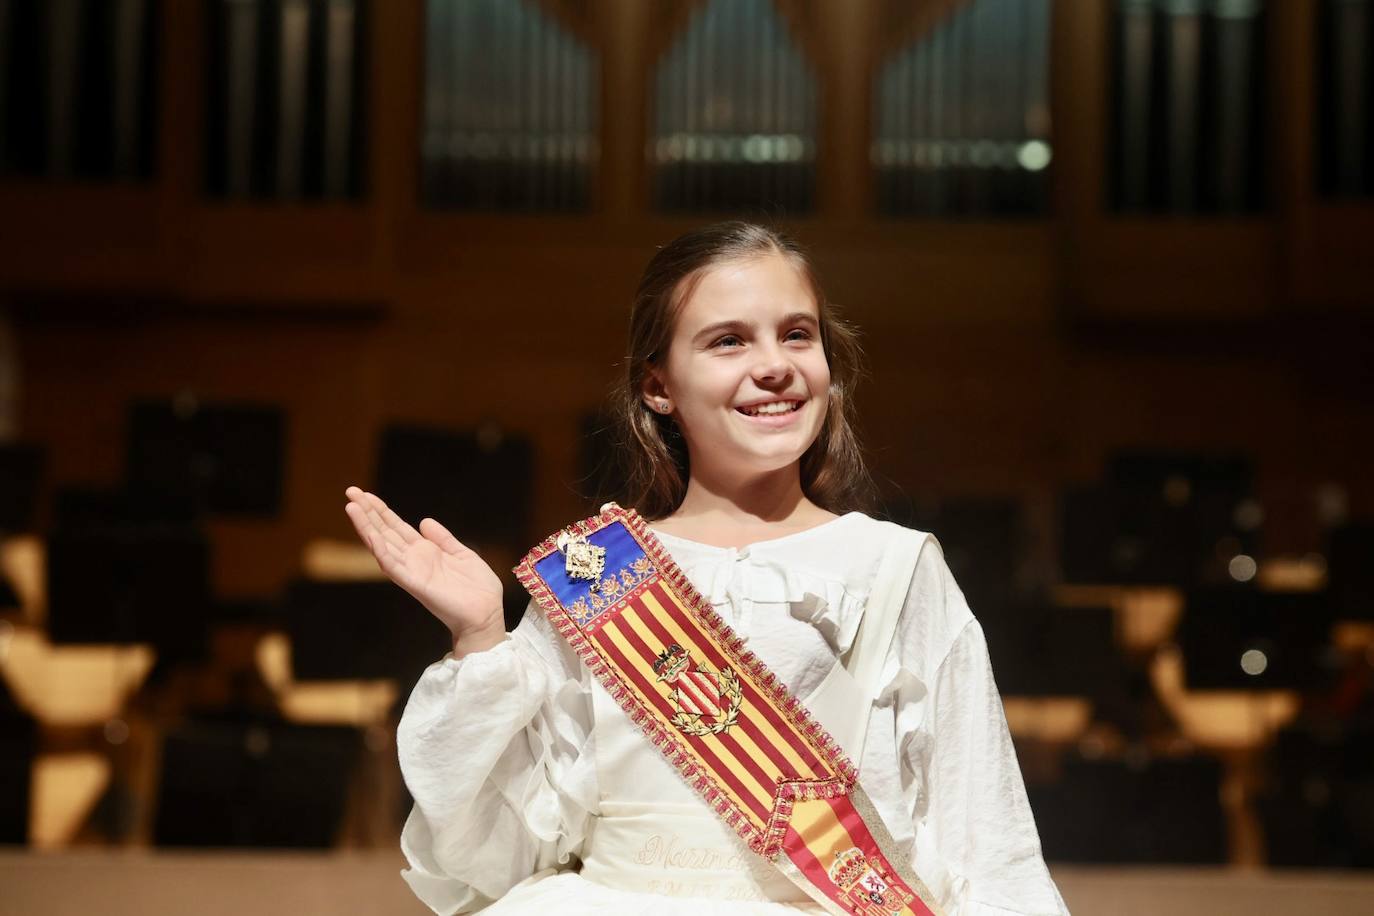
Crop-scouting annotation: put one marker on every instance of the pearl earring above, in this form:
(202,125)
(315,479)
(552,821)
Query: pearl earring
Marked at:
(663,406)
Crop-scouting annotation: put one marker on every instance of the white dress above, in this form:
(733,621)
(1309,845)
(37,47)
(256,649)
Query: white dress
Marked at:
(534,793)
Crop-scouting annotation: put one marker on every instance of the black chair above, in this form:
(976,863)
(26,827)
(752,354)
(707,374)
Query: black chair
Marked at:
(19,741)
(1317,807)
(1160,810)
(233,783)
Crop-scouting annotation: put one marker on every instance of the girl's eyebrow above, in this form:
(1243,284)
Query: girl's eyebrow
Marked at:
(736,324)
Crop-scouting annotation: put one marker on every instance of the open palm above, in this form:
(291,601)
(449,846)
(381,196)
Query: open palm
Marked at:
(448,578)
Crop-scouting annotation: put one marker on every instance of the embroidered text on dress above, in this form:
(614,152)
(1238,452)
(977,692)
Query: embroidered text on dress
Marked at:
(671,852)
(705,889)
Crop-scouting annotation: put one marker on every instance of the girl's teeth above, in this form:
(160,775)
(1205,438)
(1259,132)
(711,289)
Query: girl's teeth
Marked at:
(770,410)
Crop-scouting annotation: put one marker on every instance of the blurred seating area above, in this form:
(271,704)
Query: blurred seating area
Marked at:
(1177,695)
(142,708)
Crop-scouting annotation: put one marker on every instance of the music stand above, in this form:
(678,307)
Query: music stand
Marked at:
(477,484)
(1240,638)
(130,583)
(1041,650)
(1350,570)
(360,630)
(21,471)
(191,458)
(1158,518)
(983,541)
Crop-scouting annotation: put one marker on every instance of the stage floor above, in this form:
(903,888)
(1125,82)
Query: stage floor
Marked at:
(293,884)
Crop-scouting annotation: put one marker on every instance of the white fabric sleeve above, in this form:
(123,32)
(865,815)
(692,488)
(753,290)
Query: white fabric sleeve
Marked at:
(976,843)
(495,748)
(979,813)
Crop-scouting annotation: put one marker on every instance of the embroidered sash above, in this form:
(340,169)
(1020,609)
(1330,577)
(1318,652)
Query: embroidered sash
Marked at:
(747,746)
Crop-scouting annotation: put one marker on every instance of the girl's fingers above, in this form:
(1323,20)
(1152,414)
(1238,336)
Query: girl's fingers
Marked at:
(390,558)
(385,541)
(382,545)
(382,518)
(358,516)
(385,531)
(388,562)
(440,536)
(393,521)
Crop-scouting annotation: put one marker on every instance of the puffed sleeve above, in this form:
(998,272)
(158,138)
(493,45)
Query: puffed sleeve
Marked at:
(495,748)
(975,834)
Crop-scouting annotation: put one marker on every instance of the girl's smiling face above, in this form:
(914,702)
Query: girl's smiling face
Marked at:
(748,334)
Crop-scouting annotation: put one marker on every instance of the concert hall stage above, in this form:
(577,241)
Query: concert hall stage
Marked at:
(291,884)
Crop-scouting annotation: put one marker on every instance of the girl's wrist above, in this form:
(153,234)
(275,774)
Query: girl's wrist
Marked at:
(478,639)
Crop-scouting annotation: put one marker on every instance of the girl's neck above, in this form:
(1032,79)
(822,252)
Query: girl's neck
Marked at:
(715,511)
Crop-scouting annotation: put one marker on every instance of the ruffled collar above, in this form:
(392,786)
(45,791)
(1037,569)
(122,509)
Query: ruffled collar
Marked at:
(820,573)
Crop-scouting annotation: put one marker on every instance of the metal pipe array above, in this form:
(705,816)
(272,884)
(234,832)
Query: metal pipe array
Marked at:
(511,109)
(961,115)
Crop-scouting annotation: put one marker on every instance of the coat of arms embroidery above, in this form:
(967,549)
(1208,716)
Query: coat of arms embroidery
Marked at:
(707,701)
(868,891)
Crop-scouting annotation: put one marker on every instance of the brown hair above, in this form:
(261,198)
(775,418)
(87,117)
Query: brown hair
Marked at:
(653,455)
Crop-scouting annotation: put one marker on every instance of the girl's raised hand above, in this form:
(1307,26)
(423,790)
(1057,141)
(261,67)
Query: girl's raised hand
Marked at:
(449,579)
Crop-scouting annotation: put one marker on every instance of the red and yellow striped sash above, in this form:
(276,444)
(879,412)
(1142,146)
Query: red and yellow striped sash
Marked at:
(728,725)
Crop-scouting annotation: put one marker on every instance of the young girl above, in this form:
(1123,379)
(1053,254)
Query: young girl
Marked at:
(534,792)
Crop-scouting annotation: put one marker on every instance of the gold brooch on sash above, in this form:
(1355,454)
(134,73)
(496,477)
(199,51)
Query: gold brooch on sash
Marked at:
(585,560)
(707,702)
